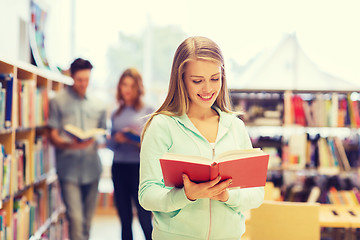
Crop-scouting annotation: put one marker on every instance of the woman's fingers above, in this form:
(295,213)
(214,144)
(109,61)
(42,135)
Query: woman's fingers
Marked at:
(212,183)
(209,189)
(217,189)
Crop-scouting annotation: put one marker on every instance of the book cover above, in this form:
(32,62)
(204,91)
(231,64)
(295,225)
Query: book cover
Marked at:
(299,114)
(83,135)
(247,168)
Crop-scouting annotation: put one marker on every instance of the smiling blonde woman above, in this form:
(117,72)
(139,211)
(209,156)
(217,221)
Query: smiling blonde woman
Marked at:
(195,119)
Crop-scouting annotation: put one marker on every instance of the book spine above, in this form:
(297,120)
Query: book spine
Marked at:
(8,100)
(2,107)
(214,171)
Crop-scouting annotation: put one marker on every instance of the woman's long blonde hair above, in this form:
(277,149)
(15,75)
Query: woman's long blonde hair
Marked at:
(177,99)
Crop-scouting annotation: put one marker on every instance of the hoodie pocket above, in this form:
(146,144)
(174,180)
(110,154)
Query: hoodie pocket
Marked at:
(226,224)
(192,221)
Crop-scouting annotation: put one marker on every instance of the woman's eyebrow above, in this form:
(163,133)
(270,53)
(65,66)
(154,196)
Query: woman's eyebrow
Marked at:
(215,74)
(198,76)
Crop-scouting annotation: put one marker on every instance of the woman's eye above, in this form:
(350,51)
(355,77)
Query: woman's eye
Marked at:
(196,81)
(215,79)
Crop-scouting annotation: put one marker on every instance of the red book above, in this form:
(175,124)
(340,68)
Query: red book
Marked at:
(299,110)
(247,168)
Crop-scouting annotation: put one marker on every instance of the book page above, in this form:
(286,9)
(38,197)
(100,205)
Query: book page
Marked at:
(84,134)
(94,132)
(186,158)
(238,154)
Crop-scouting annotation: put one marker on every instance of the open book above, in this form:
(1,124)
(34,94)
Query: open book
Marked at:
(131,135)
(82,135)
(247,168)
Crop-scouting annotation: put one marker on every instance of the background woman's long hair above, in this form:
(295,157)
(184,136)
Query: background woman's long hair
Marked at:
(177,99)
(138,103)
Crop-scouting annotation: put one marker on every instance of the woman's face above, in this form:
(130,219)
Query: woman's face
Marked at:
(203,82)
(128,90)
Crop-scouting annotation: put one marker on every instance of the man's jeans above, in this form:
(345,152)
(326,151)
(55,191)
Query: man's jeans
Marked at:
(80,203)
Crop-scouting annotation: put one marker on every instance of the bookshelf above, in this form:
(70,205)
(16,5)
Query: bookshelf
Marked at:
(30,205)
(308,134)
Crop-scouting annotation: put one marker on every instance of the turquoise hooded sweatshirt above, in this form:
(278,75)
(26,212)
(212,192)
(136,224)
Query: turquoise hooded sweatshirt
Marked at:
(175,216)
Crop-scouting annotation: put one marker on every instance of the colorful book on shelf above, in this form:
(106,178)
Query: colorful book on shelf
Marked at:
(247,168)
(357,194)
(356,113)
(352,195)
(6,170)
(7,83)
(299,114)
(342,155)
(2,106)
(334,196)
(288,108)
(342,112)
(333,151)
(334,111)
(351,111)
(83,135)
(308,114)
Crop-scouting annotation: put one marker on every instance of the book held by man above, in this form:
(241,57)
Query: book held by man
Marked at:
(247,168)
(82,135)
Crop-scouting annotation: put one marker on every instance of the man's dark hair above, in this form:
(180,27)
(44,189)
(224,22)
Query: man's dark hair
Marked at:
(80,64)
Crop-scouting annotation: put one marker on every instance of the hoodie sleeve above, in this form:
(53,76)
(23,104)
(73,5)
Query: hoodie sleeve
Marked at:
(247,198)
(153,195)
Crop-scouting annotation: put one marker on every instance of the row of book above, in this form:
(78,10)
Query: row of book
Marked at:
(32,103)
(261,109)
(321,110)
(344,197)
(303,151)
(29,216)
(44,160)
(57,230)
(105,200)
(22,175)
(305,186)
(303,109)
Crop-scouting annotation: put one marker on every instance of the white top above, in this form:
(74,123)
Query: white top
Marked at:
(212,145)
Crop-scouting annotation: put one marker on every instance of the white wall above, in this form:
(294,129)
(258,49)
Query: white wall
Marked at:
(14,23)
(12,13)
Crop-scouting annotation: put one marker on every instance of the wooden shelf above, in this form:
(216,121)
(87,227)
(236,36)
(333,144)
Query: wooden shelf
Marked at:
(36,191)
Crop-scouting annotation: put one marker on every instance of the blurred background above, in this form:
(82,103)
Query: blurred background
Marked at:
(117,34)
(277,52)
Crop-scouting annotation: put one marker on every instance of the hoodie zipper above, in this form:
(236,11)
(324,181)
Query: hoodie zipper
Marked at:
(213,157)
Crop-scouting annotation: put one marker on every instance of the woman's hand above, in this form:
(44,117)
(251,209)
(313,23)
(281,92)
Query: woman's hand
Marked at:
(222,197)
(212,189)
(78,145)
(119,137)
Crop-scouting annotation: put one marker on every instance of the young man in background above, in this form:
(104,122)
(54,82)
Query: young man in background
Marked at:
(78,165)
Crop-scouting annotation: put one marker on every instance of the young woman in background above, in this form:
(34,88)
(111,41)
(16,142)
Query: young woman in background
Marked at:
(127,123)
